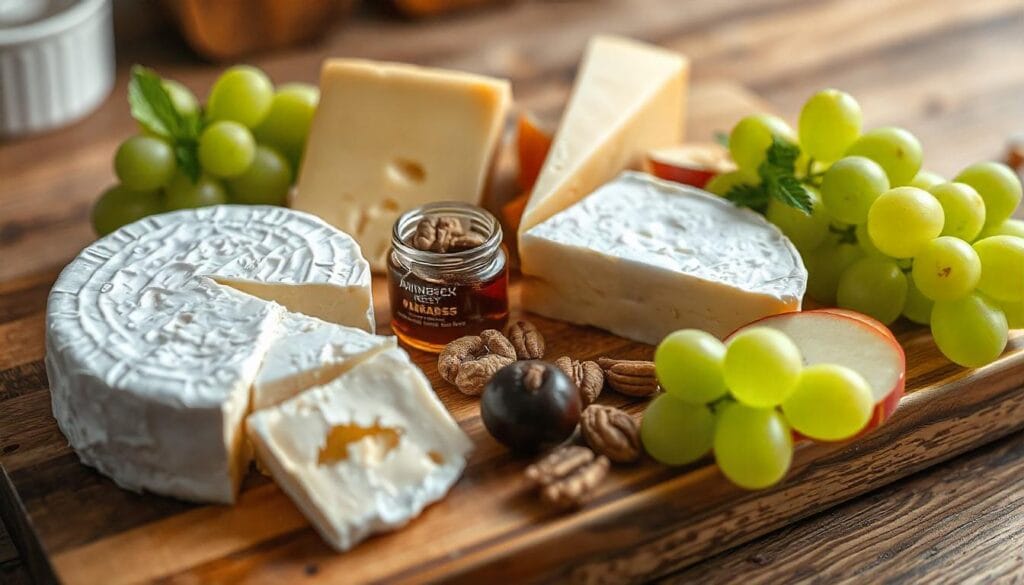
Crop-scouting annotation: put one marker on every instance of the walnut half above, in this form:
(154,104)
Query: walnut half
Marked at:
(469,362)
(568,476)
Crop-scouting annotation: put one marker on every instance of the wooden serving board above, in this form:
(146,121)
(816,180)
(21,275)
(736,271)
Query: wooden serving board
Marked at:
(75,526)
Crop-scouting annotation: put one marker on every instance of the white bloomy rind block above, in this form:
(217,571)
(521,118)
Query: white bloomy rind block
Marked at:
(150,356)
(642,257)
(380,480)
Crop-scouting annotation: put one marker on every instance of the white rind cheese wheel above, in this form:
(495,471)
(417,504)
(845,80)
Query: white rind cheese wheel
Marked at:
(151,358)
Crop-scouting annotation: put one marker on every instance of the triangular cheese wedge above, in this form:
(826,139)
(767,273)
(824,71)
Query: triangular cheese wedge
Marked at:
(629,97)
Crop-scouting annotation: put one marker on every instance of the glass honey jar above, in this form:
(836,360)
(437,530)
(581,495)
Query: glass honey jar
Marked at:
(447,274)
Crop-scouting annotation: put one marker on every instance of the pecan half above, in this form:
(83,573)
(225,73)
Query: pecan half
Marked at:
(568,476)
(630,377)
(611,432)
(527,340)
(587,376)
(444,234)
(469,362)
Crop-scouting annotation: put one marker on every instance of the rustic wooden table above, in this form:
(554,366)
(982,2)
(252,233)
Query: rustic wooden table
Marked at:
(948,70)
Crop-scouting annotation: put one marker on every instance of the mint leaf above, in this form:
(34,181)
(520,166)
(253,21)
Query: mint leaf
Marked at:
(747,195)
(151,105)
(778,175)
(782,155)
(187,157)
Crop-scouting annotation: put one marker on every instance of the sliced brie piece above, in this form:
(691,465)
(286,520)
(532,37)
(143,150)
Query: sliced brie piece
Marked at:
(629,97)
(151,361)
(389,137)
(309,352)
(364,453)
(642,257)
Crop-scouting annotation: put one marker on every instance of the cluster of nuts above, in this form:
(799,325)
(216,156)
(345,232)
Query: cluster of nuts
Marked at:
(568,476)
(444,234)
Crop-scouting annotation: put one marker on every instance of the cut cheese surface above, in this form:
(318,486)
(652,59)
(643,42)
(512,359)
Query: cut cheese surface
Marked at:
(388,137)
(642,257)
(308,352)
(151,360)
(628,98)
(364,453)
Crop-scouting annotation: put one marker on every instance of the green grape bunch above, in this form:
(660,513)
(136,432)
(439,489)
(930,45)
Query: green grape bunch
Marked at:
(881,234)
(744,399)
(244,147)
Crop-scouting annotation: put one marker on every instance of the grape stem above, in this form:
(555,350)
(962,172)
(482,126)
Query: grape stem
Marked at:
(810,177)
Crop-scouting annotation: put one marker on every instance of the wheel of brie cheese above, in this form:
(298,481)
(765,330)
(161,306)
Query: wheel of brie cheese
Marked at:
(156,333)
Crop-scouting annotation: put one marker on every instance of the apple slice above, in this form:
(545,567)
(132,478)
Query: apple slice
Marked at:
(690,164)
(838,336)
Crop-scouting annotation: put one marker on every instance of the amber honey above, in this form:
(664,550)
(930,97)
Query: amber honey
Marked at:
(437,297)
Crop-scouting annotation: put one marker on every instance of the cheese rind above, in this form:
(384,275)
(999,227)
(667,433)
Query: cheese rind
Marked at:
(388,137)
(378,481)
(628,98)
(642,258)
(150,360)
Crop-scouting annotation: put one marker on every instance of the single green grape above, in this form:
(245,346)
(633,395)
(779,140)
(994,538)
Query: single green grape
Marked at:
(761,366)
(689,366)
(723,183)
(1002,267)
(963,209)
(917,308)
(182,193)
(850,186)
(874,286)
(753,446)
(925,179)
(1008,227)
(998,185)
(119,206)
(287,124)
(864,241)
(226,149)
(904,219)
(806,231)
(896,150)
(971,331)
(829,403)
(1014,313)
(752,136)
(184,101)
(675,432)
(265,182)
(825,265)
(830,122)
(144,163)
(242,94)
(946,268)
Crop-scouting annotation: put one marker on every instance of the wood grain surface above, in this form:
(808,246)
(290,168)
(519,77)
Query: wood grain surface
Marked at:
(947,70)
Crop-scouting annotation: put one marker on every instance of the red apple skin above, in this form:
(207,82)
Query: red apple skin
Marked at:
(885,407)
(685,175)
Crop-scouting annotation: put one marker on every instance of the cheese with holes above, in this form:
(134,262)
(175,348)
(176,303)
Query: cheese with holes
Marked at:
(155,335)
(364,453)
(308,352)
(642,257)
(628,98)
(389,137)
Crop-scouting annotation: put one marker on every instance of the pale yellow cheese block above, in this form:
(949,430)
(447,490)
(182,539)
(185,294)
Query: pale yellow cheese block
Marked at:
(629,97)
(389,137)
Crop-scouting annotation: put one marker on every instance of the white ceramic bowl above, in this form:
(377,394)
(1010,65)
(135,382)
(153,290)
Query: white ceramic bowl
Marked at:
(56,62)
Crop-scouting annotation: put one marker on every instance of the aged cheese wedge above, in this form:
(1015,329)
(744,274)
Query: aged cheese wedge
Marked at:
(388,137)
(308,352)
(151,361)
(642,257)
(628,98)
(365,452)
